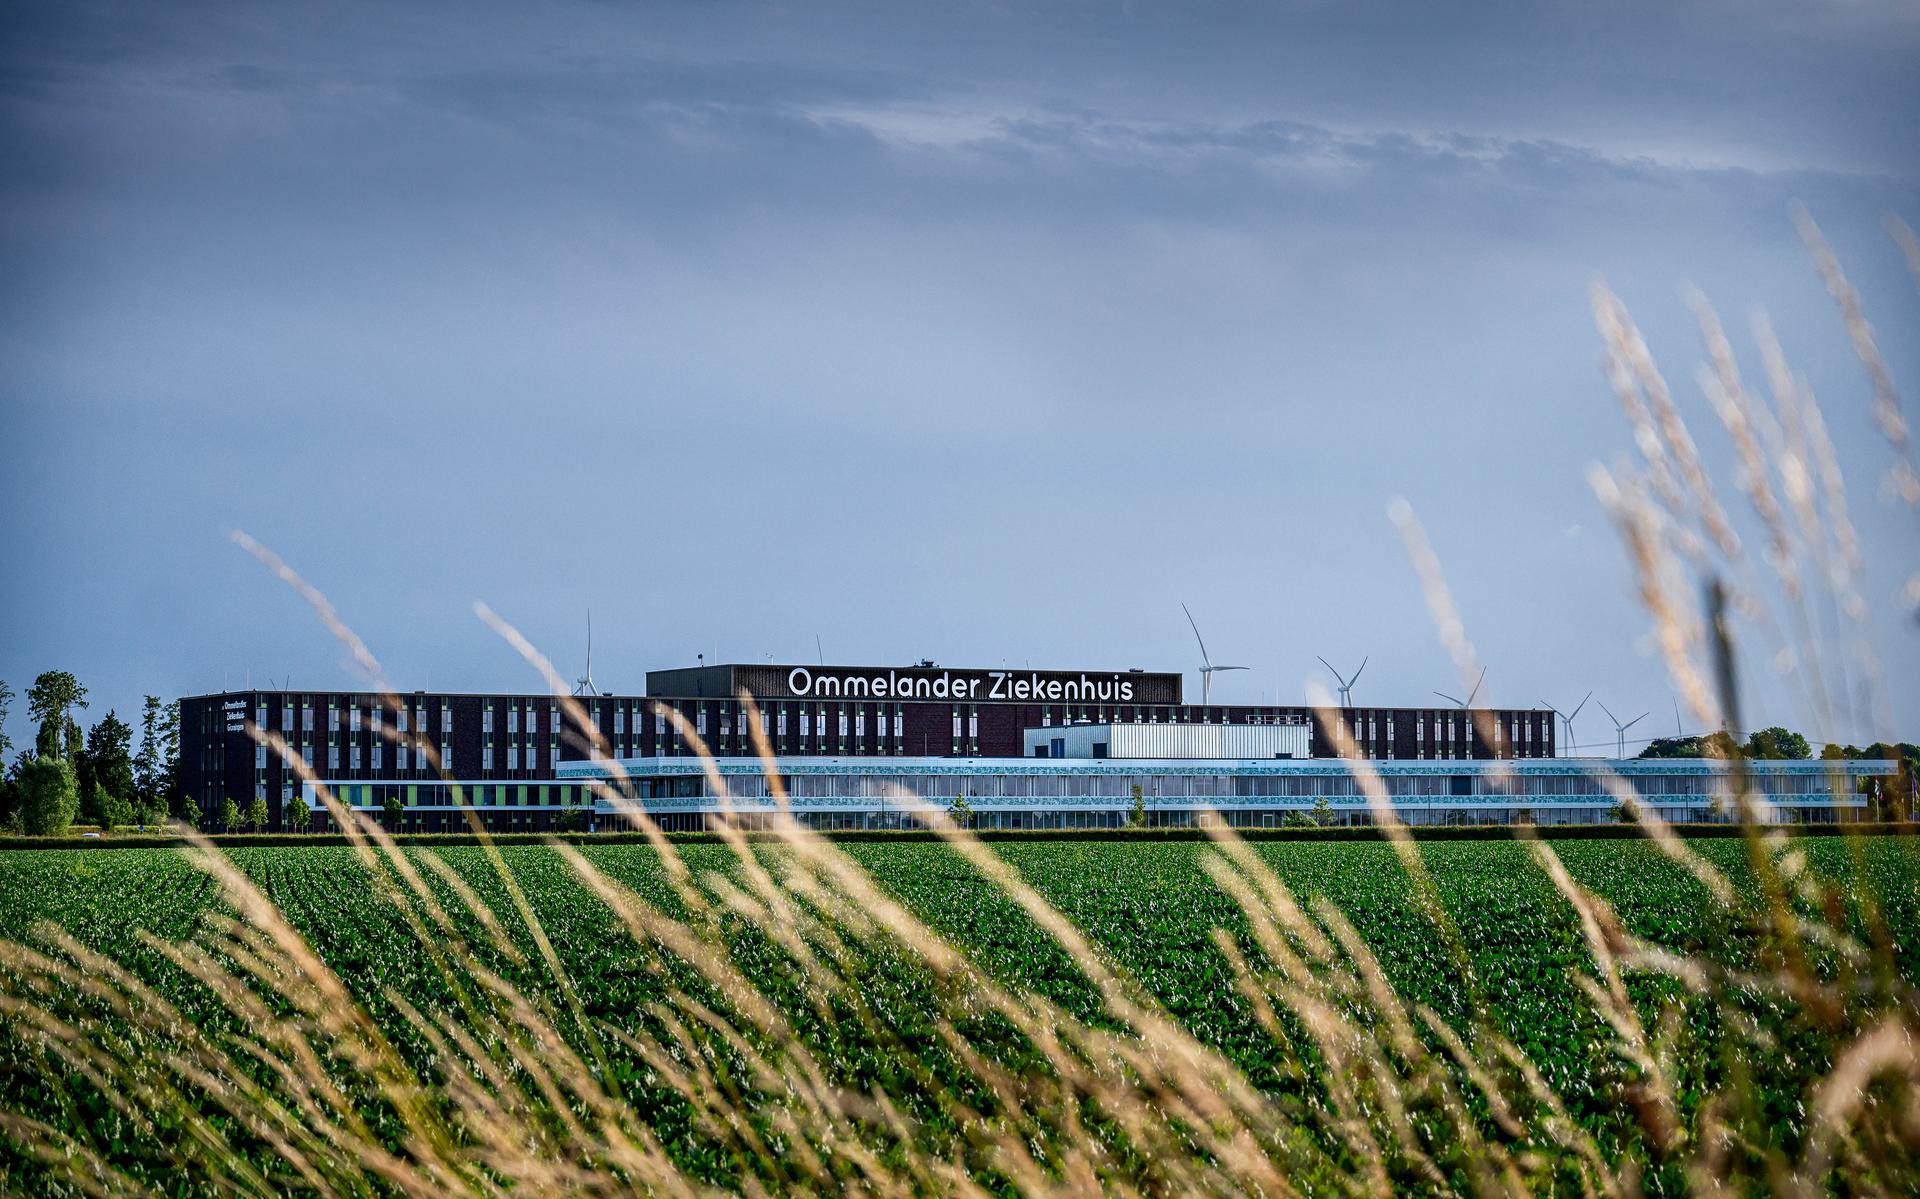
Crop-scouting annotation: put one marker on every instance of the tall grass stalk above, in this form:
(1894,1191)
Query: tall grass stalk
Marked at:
(770,1037)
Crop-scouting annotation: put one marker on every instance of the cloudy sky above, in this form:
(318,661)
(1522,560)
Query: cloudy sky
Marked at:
(982,332)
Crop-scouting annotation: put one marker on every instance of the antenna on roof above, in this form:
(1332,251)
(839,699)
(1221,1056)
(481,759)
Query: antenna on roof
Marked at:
(584,685)
(1207,667)
(1620,730)
(1455,700)
(1566,718)
(1346,685)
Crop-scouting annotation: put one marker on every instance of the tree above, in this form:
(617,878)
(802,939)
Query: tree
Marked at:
(960,812)
(149,767)
(229,815)
(1137,814)
(6,701)
(571,820)
(48,796)
(1713,745)
(114,810)
(50,702)
(1322,811)
(1778,743)
(395,811)
(1296,819)
(109,761)
(10,794)
(298,816)
(257,814)
(170,761)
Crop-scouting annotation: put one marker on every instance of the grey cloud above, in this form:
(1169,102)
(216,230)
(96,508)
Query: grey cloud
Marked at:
(578,293)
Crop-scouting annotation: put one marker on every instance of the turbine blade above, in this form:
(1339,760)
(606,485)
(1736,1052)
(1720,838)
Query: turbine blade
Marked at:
(1356,674)
(1197,637)
(1582,704)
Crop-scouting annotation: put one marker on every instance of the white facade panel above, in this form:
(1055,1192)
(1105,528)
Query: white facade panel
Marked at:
(1170,741)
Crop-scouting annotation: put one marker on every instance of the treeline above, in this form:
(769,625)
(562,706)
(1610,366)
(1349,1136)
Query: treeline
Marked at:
(90,776)
(1891,798)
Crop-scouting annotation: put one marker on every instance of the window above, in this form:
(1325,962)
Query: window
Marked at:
(513,757)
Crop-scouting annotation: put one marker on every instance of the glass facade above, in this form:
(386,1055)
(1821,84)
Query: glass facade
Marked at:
(1073,793)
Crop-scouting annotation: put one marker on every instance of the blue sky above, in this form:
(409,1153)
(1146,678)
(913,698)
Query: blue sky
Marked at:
(984,332)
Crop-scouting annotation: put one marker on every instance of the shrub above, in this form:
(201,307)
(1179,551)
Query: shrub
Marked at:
(49,796)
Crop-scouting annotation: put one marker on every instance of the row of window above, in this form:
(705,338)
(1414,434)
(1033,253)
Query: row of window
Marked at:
(480,795)
(1174,786)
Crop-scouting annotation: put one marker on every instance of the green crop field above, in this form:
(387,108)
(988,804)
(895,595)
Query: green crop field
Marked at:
(1151,908)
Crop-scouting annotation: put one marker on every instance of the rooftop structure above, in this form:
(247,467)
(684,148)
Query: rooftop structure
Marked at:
(1278,739)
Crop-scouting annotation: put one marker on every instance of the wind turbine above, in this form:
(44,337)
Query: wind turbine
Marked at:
(1346,685)
(1467,702)
(584,685)
(1207,667)
(1566,718)
(1620,730)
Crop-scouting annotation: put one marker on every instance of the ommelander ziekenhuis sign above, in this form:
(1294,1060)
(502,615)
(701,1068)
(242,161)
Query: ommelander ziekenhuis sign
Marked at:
(962,685)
